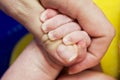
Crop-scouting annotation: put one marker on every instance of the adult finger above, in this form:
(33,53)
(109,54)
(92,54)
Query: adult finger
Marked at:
(89,61)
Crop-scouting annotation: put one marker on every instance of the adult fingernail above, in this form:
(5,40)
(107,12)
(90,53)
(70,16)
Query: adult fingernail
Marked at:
(67,53)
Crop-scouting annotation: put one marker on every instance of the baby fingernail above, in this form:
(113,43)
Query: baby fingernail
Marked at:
(43,17)
(51,36)
(66,54)
(44,28)
(66,41)
(72,57)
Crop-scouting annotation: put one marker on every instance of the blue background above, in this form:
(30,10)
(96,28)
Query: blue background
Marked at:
(10,33)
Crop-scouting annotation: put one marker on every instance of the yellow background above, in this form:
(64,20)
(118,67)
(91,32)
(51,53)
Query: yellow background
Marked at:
(110,62)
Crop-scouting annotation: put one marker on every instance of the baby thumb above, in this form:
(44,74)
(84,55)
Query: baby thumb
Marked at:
(68,53)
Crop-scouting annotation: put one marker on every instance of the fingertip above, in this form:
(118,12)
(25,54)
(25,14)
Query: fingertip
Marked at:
(52,36)
(67,53)
(66,41)
(48,13)
(43,15)
(44,28)
(82,44)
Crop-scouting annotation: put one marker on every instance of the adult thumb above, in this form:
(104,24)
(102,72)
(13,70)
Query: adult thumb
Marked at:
(67,7)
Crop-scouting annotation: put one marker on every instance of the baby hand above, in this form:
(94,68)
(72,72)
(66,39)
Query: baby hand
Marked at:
(63,38)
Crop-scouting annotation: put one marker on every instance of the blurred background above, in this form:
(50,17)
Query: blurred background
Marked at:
(10,34)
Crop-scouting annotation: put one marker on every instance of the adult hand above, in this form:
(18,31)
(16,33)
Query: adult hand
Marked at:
(93,21)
